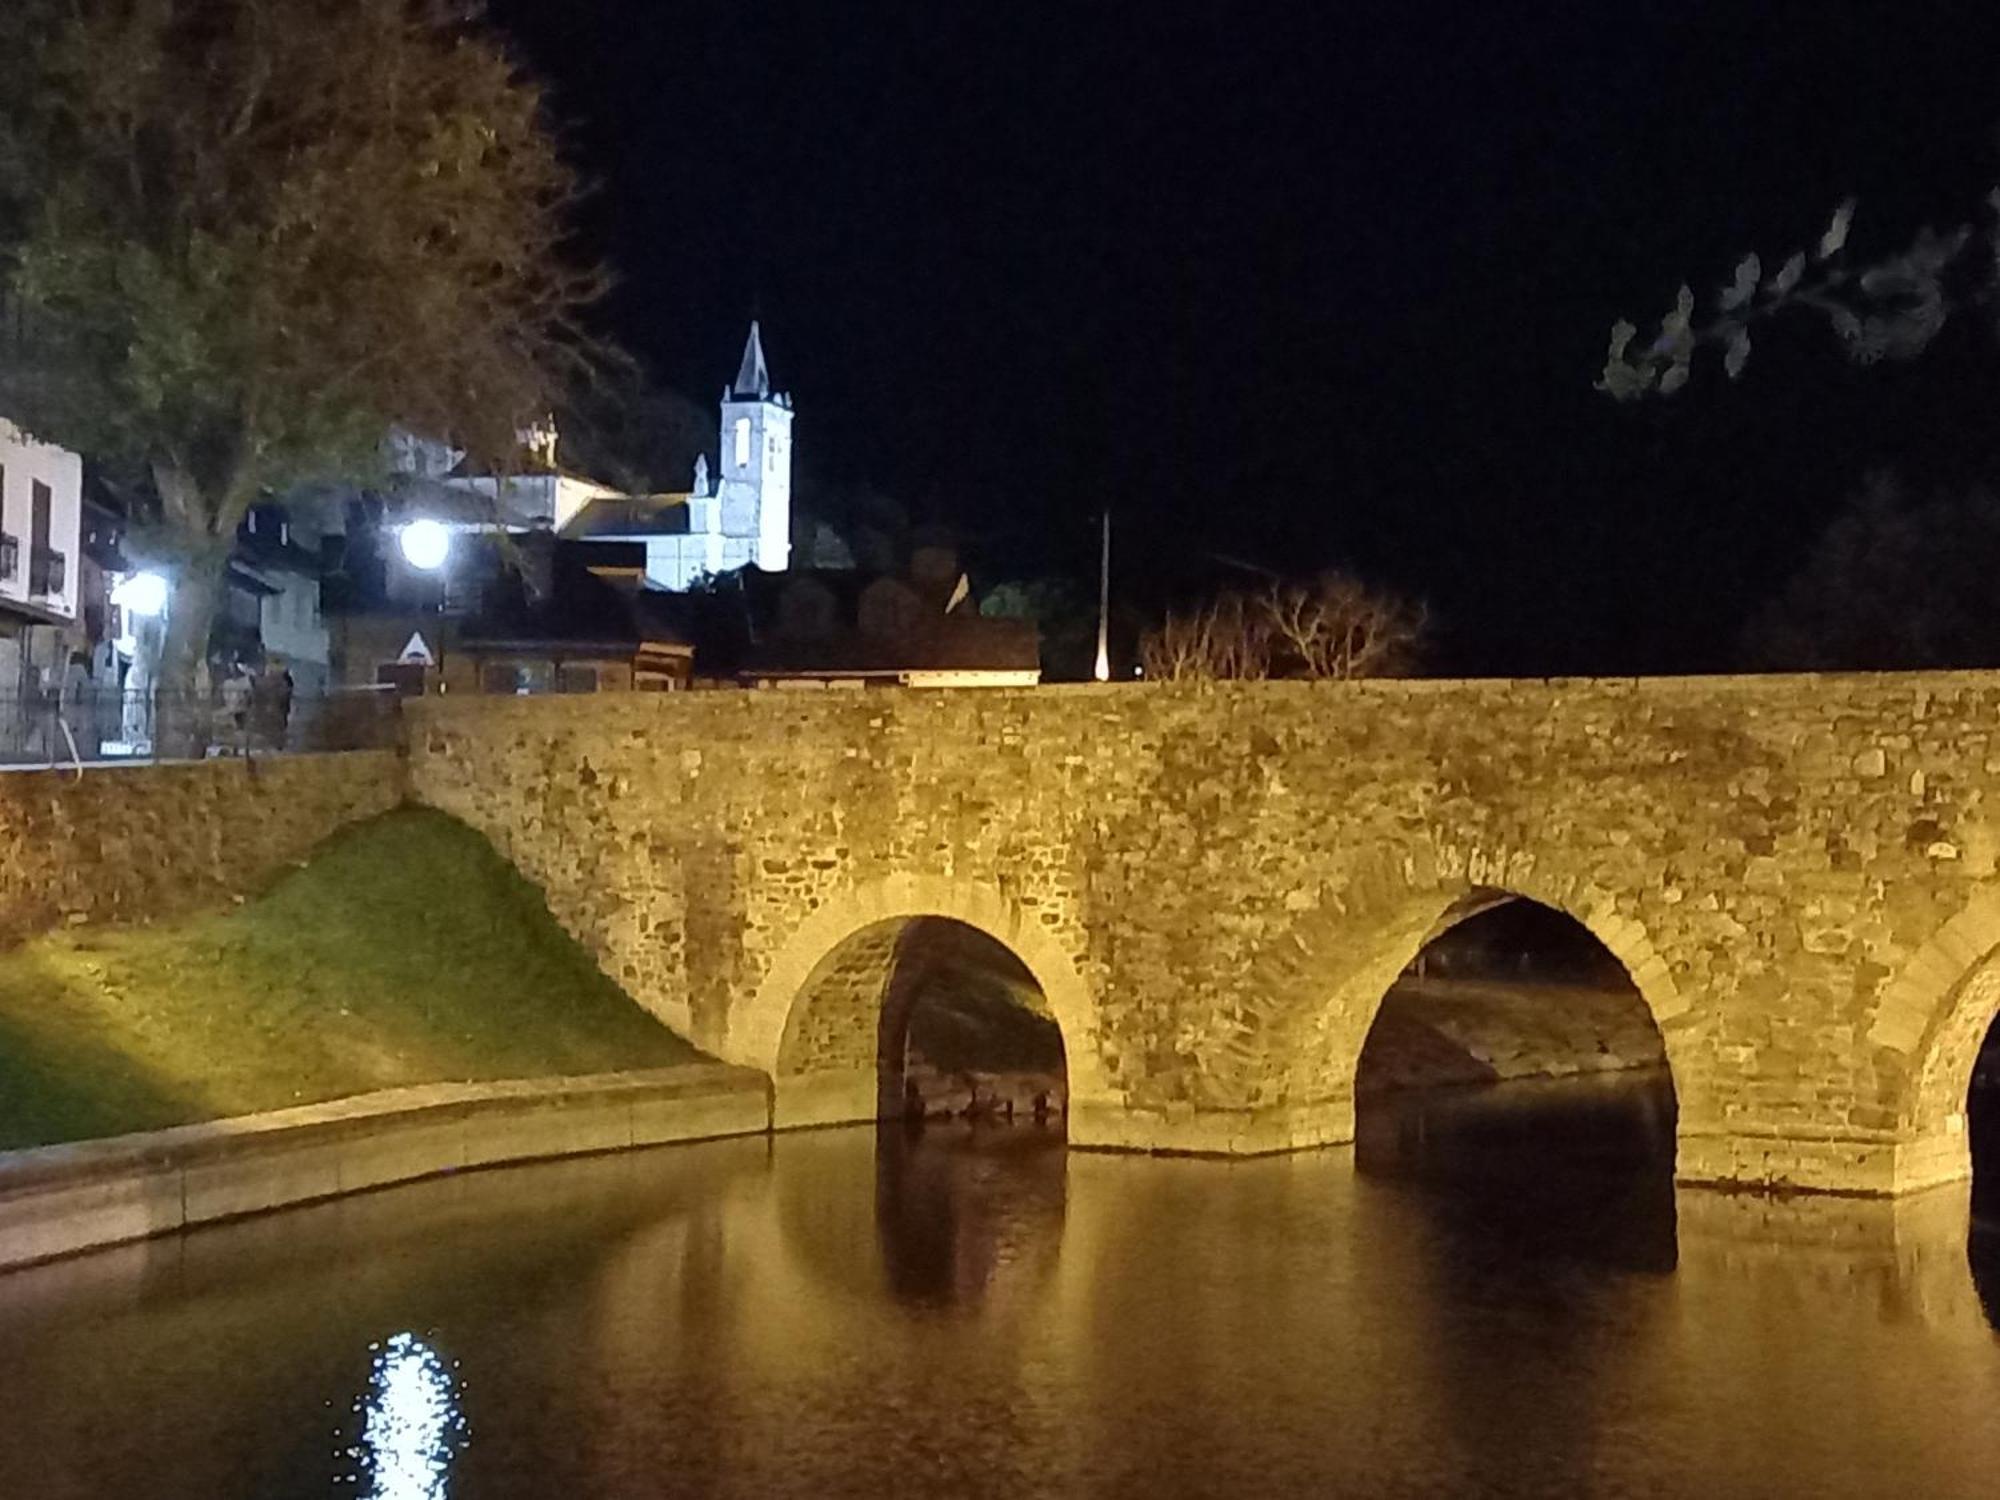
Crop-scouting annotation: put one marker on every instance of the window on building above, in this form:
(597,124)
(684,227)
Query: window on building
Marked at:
(38,517)
(47,571)
(742,442)
(574,679)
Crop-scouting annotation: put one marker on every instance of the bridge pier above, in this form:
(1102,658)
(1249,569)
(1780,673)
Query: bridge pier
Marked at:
(1853,1164)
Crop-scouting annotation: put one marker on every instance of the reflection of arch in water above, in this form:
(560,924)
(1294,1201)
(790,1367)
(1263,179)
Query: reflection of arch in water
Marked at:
(968,1216)
(951,1217)
(842,983)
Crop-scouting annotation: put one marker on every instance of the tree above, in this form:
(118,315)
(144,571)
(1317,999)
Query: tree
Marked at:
(1332,627)
(1224,638)
(1336,626)
(241,239)
(1890,309)
(1890,585)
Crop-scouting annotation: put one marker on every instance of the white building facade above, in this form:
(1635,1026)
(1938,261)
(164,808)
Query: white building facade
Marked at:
(41,518)
(743,514)
(736,514)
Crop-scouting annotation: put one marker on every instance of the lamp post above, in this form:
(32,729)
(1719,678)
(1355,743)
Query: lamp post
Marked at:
(1102,671)
(426,546)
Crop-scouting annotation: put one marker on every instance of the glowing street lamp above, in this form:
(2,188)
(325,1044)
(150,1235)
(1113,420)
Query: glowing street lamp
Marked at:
(426,544)
(141,594)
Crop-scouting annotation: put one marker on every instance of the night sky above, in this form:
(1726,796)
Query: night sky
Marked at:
(1298,285)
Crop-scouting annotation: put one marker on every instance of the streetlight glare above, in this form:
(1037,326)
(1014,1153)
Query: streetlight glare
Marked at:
(426,544)
(141,594)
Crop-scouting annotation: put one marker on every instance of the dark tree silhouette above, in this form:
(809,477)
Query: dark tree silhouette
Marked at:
(1890,585)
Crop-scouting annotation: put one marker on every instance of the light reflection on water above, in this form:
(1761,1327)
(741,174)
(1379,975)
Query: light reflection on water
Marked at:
(971,1314)
(411,1425)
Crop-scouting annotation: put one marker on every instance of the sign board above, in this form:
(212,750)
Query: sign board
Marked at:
(417,653)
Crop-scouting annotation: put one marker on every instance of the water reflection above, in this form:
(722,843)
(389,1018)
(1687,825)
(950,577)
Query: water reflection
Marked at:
(1983,1116)
(411,1425)
(1580,1168)
(1982,1252)
(965,1210)
(976,1312)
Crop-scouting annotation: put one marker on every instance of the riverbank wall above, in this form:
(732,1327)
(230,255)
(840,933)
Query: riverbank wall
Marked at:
(60,1200)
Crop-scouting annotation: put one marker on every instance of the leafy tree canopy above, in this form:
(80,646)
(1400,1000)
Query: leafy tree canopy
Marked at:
(240,239)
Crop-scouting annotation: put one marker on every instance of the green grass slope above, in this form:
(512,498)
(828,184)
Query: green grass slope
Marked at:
(405,951)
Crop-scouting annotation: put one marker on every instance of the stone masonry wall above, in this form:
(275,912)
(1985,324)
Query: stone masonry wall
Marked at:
(1216,885)
(121,843)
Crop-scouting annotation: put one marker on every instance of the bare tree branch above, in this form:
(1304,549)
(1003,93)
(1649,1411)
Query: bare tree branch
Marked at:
(1332,627)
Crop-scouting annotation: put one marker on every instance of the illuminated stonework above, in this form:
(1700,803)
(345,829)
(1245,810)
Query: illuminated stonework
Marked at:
(1215,886)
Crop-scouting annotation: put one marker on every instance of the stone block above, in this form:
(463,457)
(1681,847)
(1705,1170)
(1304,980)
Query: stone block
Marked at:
(274,1173)
(414,1148)
(657,1121)
(555,1127)
(61,1218)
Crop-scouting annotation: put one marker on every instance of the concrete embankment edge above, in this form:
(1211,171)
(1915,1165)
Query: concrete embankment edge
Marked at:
(60,1200)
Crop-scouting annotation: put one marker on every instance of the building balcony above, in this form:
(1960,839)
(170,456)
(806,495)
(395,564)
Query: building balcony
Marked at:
(10,556)
(48,572)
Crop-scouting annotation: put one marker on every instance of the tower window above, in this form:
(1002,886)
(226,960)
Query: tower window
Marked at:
(742,442)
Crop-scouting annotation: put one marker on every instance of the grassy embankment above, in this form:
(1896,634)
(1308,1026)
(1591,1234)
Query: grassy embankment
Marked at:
(405,951)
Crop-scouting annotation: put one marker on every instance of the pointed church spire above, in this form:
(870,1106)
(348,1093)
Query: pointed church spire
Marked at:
(754,377)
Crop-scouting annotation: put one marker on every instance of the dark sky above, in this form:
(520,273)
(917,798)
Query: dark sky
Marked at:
(1301,284)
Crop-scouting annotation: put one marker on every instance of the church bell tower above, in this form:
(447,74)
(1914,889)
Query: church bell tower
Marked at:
(755,486)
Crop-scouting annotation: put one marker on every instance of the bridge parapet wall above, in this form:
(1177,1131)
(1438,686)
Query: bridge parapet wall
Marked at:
(1224,880)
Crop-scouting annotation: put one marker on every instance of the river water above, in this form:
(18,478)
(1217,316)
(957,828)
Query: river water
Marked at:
(981,1313)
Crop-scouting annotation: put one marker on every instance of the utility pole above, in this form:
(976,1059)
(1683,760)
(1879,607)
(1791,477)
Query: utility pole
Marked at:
(1103,669)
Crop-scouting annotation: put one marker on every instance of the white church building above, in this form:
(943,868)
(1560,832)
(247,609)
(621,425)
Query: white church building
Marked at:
(728,519)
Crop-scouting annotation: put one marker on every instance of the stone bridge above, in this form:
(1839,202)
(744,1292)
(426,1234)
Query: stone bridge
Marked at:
(1214,886)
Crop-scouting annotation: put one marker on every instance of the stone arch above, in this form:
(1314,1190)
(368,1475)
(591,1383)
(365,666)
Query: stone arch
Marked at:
(1624,938)
(1934,1014)
(842,957)
(1387,922)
